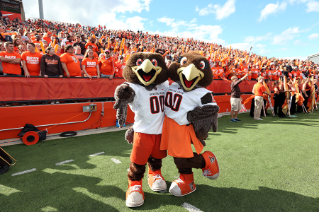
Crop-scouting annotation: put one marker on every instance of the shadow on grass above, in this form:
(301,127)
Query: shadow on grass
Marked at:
(61,188)
(247,122)
(62,192)
(207,198)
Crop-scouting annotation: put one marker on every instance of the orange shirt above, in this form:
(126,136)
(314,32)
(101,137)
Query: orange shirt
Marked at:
(215,72)
(93,45)
(296,74)
(259,89)
(95,55)
(107,66)
(254,73)
(72,63)
(289,75)
(48,39)
(240,73)
(268,74)
(16,49)
(32,62)
(275,75)
(119,66)
(90,66)
(9,68)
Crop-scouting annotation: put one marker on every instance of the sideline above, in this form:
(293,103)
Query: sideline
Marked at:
(80,133)
(87,132)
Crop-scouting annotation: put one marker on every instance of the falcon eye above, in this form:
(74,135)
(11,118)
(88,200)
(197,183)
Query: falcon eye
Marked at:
(139,62)
(183,61)
(202,65)
(154,62)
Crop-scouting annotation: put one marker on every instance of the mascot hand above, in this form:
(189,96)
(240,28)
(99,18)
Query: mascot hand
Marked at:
(129,135)
(123,93)
(202,119)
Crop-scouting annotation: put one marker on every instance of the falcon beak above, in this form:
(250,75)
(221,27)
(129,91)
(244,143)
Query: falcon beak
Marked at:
(189,76)
(146,72)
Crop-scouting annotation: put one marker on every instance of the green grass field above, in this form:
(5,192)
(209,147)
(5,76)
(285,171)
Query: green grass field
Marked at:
(269,165)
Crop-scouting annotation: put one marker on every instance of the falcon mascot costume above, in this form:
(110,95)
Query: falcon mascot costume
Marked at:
(190,112)
(147,81)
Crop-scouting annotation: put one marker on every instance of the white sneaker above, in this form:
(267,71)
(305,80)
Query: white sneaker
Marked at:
(134,194)
(259,119)
(156,181)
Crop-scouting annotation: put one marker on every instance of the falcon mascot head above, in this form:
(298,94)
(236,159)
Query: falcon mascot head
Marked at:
(191,71)
(146,68)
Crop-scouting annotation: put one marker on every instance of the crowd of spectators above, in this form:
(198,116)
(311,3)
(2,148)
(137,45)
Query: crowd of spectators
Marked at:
(53,49)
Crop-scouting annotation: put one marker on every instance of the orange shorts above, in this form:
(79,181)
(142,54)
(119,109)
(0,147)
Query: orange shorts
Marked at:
(178,139)
(146,145)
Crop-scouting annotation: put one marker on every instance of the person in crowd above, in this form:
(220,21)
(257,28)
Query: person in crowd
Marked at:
(266,104)
(4,35)
(306,91)
(90,65)
(70,62)
(281,99)
(25,37)
(276,95)
(79,43)
(119,67)
(10,60)
(22,48)
(259,91)
(16,43)
(95,55)
(107,66)
(78,54)
(235,100)
(31,61)
(51,64)
(92,43)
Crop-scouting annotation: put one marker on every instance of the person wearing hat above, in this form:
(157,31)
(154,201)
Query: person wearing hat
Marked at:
(119,66)
(107,65)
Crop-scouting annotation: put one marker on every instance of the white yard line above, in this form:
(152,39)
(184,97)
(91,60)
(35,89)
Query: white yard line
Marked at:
(116,160)
(63,162)
(100,153)
(190,207)
(24,172)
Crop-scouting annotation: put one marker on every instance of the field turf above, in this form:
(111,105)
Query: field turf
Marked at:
(269,165)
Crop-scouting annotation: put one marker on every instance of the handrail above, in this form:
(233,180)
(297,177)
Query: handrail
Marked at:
(49,124)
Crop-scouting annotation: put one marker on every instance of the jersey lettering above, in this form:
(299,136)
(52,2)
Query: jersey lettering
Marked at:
(173,103)
(157,104)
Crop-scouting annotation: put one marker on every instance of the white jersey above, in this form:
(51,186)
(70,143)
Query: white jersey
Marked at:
(148,107)
(178,102)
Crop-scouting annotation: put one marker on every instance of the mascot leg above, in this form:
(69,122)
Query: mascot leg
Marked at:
(155,178)
(134,193)
(185,184)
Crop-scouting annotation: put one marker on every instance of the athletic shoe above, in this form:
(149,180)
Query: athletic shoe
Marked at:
(156,180)
(232,120)
(236,119)
(211,169)
(134,194)
(183,185)
(259,119)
